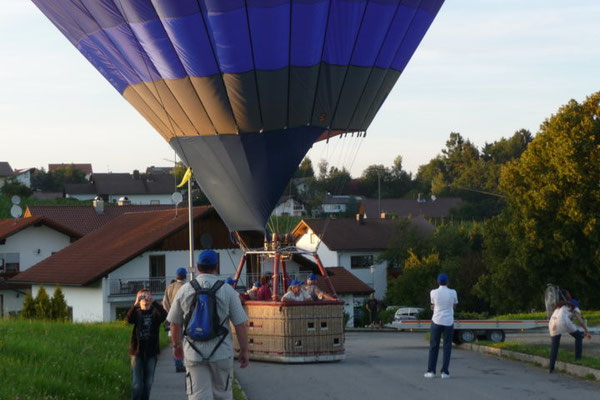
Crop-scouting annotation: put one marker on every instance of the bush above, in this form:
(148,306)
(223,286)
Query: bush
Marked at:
(29,308)
(386,316)
(58,306)
(43,308)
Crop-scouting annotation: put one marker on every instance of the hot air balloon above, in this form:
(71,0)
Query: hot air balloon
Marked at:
(241,89)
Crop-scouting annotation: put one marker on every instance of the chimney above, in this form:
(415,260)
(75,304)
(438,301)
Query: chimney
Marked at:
(360,219)
(136,175)
(98,205)
(383,215)
(123,201)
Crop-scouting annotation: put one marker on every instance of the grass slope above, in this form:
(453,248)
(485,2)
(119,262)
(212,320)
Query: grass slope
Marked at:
(50,360)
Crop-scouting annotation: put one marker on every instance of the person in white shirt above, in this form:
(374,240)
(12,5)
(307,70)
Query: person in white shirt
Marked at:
(443,301)
(560,323)
(295,292)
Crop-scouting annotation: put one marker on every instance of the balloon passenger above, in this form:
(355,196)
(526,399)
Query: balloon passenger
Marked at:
(313,290)
(561,323)
(443,302)
(253,291)
(295,292)
(146,315)
(264,293)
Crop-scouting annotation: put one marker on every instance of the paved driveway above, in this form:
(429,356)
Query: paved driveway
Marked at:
(391,366)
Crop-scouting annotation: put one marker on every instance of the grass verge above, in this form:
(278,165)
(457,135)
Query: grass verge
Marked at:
(592,317)
(544,351)
(50,360)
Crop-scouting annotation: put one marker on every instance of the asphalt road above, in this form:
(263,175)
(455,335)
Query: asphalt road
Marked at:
(391,366)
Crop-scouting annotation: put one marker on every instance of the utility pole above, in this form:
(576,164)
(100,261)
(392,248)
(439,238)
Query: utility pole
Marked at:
(191,228)
(378,193)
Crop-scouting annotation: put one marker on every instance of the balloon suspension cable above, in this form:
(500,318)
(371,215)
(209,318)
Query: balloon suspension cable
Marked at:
(348,159)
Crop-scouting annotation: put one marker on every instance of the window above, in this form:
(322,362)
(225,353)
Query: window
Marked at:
(157,266)
(361,261)
(154,202)
(9,262)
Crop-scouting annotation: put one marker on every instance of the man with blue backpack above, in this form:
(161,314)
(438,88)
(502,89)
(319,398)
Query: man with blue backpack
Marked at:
(199,317)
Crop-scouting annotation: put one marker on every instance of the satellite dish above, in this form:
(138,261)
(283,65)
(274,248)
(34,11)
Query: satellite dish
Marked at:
(177,197)
(15,199)
(433,198)
(16,211)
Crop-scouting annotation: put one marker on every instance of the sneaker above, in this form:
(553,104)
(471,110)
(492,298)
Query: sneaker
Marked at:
(429,375)
(445,375)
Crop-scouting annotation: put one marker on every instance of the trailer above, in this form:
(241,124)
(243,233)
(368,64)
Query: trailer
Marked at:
(466,331)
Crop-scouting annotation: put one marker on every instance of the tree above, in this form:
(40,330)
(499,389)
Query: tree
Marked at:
(29,308)
(305,169)
(13,187)
(43,308)
(413,286)
(553,218)
(58,305)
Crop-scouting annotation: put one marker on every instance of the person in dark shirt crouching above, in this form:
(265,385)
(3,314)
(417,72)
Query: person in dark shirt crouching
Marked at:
(146,315)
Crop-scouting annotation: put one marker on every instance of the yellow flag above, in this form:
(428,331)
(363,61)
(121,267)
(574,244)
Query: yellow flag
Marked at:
(186,177)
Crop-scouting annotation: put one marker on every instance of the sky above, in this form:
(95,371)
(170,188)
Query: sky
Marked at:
(485,69)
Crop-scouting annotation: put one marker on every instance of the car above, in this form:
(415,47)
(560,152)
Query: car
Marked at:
(405,313)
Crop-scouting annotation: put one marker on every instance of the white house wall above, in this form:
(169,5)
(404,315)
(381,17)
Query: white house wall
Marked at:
(139,267)
(34,244)
(87,302)
(309,241)
(376,280)
(12,301)
(81,197)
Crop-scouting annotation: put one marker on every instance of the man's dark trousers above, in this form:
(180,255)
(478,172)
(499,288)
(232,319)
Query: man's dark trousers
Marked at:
(434,346)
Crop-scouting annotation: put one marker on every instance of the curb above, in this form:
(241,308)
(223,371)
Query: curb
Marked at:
(572,369)
(244,396)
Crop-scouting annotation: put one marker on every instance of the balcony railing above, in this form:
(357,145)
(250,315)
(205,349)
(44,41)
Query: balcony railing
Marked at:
(129,287)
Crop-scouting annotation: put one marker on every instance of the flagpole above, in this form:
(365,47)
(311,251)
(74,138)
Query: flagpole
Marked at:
(191,228)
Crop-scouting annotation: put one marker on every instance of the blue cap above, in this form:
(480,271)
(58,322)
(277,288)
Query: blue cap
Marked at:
(208,258)
(575,303)
(231,281)
(181,272)
(296,283)
(442,279)
(312,277)
(257,284)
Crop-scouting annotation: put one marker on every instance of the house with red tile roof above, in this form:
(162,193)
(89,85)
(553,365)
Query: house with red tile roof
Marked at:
(23,243)
(101,272)
(85,219)
(354,244)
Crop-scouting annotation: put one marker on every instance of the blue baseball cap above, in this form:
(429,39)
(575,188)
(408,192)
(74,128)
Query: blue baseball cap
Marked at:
(208,258)
(312,277)
(442,279)
(575,303)
(231,281)
(296,283)
(257,284)
(181,272)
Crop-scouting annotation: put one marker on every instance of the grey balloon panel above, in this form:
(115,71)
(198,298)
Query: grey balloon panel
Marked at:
(303,83)
(388,83)
(244,175)
(212,93)
(354,84)
(243,97)
(331,80)
(273,96)
(367,98)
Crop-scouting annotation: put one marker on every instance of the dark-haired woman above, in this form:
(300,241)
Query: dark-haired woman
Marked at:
(560,323)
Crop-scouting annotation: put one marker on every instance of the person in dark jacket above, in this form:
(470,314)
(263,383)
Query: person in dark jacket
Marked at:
(146,315)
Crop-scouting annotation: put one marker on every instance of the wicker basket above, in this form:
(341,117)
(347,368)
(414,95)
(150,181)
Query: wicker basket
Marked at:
(294,332)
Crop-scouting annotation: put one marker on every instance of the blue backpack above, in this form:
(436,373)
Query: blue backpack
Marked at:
(202,323)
